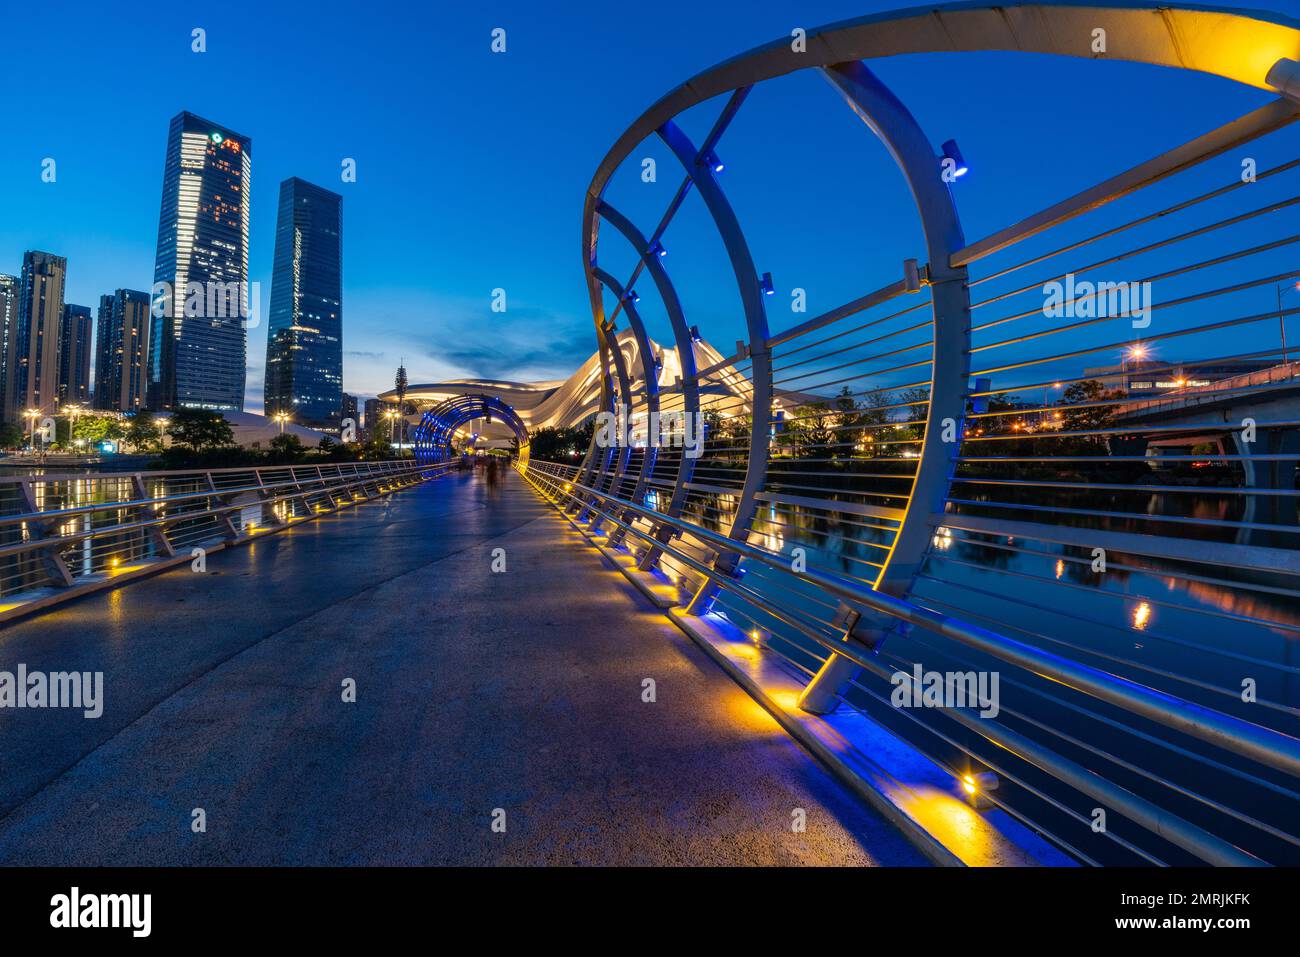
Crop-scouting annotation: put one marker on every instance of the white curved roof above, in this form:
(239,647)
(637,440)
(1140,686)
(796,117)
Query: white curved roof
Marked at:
(567,402)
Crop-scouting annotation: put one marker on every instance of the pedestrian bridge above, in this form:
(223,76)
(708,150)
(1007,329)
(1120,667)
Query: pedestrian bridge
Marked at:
(1005,617)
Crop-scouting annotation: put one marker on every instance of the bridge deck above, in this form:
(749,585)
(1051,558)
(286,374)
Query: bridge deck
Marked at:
(475,691)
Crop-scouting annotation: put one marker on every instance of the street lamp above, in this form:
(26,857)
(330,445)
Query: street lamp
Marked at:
(73,411)
(32,415)
(1135,353)
(281,417)
(391,416)
(1046,401)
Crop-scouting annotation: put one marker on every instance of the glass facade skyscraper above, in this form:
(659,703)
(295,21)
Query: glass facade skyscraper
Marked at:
(198,338)
(304,335)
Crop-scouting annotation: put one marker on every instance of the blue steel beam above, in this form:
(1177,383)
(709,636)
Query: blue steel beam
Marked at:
(620,452)
(685,356)
(751,301)
(893,124)
(650,386)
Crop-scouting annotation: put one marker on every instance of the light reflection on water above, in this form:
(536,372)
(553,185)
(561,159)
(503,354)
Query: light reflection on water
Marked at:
(1148,625)
(1050,596)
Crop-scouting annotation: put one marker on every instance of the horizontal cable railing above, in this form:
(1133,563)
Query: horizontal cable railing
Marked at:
(61,531)
(1158,719)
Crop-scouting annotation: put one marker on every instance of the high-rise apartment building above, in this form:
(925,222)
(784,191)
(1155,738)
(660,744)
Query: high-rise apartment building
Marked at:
(9,299)
(201,299)
(75,336)
(122,350)
(304,338)
(40,316)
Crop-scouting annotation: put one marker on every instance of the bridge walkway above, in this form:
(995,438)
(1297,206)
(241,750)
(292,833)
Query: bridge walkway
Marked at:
(520,690)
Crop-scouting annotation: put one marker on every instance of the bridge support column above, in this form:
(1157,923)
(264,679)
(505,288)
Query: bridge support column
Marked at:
(1269,475)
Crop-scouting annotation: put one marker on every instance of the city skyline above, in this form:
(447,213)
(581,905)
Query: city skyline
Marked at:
(479,196)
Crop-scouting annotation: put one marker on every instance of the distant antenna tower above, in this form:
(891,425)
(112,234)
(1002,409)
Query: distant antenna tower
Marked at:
(400,383)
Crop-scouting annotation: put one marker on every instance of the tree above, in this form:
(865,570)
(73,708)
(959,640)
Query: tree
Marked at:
(286,447)
(200,429)
(326,444)
(11,436)
(1087,392)
(810,431)
(143,433)
(559,445)
(89,430)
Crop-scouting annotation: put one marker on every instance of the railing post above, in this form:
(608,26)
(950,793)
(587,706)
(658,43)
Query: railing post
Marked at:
(268,503)
(158,533)
(55,567)
(223,516)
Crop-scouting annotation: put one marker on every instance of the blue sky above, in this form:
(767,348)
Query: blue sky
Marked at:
(472,166)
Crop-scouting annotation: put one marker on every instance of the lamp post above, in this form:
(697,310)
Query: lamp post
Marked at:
(391,416)
(32,415)
(73,411)
(1042,417)
(1281,315)
(281,417)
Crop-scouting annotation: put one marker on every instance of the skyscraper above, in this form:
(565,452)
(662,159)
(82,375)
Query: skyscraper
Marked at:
(304,334)
(198,339)
(75,332)
(40,314)
(374,412)
(122,351)
(9,298)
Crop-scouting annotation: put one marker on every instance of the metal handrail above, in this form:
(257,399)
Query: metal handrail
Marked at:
(333,481)
(1182,833)
(59,514)
(161,521)
(1277,750)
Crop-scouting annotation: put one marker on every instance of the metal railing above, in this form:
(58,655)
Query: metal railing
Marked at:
(978,440)
(62,534)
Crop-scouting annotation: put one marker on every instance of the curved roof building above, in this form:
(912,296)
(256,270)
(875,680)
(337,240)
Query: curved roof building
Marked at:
(568,402)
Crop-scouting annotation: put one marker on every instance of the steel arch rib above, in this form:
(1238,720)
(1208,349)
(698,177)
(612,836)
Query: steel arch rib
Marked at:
(685,357)
(650,384)
(620,452)
(751,300)
(588,473)
(894,125)
(1183,36)
(438,426)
